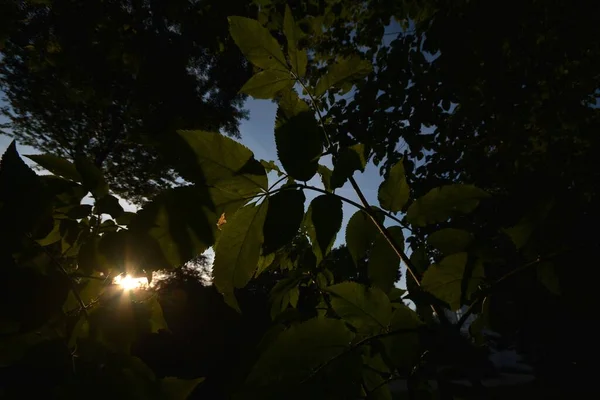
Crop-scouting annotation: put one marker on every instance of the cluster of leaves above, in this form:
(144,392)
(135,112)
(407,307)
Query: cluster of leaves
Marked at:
(331,336)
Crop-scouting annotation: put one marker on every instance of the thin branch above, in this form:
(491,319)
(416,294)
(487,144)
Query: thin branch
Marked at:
(356,346)
(504,277)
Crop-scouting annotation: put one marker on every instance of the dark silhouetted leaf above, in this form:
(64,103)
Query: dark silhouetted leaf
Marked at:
(256,43)
(283,220)
(91,177)
(299,144)
(346,70)
(394,191)
(450,240)
(443,202)
(323,220)
(295,353)
(109,205)
(444,280)
(266,84)
(350,159)
(56,165)
(367,309)
(384,263)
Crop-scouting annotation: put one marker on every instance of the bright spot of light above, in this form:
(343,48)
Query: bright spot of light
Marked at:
(128,282)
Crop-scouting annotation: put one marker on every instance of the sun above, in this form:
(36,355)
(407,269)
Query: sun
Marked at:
(128,282)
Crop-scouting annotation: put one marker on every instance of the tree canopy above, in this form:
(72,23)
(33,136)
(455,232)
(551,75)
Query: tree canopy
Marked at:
(111,80)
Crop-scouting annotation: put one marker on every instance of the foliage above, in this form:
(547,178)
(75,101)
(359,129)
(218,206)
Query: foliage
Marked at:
(331,323)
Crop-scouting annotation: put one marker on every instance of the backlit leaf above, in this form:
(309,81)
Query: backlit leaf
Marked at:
(546,274)
(360,234)
(56,165)
(444,280)
(291,104)
(283,220)
(265,84)
(384,263)
(212,159)
(178,389)
(298,58)
(394,191)
(322,222)
(367,309)
(183,220)
(443,202)
(299,144)
(350,159)
(450,240)
(256,43)
(238,249)
(295,353)
(346,70)
(325,177)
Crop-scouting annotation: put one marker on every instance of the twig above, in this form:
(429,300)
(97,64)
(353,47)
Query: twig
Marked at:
(354,347)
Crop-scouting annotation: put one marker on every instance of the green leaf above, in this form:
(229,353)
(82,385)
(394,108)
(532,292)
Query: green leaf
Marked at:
(299,144)
(450,240)
(238,248)
(173,388)
(325,177)
(52,237)
(183,220)
(290,104)
(212,159)
(384,263)
(109,205)
(91,177)
(345,71)
(266,84)
(394,191)
(444,280)
(403,348)
(270,166)
(157,320)
(283,220)
(443,202)
(546,274)
(56,165)
(519,234)
(298,58)
(264,262)
(322,222)
(361,232)
(367,309)
(295,353)
(256,43)
(350,159)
